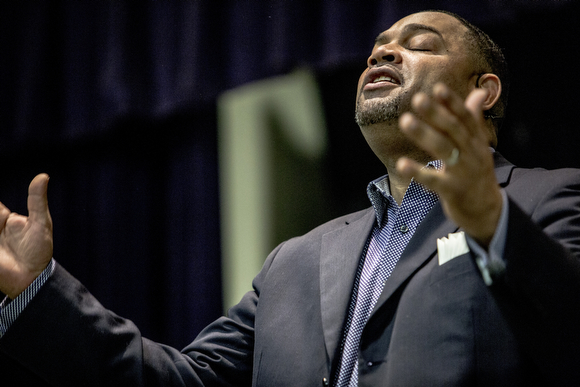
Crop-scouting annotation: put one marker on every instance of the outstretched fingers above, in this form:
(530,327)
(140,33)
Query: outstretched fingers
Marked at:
(445,124)
(468,112)
(455,131)
(429,177)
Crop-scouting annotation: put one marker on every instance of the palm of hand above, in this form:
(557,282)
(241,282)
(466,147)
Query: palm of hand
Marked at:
(25,242)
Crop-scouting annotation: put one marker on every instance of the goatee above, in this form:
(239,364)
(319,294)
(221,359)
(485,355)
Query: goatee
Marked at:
(379,110)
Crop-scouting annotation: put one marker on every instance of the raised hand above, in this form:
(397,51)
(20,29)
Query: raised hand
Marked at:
(25,242)
(454,130)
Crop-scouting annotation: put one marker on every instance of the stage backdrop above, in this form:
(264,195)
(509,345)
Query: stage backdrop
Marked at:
(116,100)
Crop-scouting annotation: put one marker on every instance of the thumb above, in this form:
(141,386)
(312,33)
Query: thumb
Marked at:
(38,200)
(474,102)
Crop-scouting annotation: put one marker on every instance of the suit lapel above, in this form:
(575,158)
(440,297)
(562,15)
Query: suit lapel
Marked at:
(339,257)
(421,247)
(423,244)
(341,251)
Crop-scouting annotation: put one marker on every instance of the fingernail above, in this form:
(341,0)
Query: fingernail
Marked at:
(420,101)
(407,122)
(441,91)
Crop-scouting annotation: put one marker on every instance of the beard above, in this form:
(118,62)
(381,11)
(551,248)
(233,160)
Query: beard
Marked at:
(377,110)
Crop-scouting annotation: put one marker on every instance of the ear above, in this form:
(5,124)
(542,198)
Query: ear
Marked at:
(492,84)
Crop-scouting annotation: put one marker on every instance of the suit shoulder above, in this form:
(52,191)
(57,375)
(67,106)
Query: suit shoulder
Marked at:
(531,187)
(315,235)
(543,180)
(341,221)
(561,174)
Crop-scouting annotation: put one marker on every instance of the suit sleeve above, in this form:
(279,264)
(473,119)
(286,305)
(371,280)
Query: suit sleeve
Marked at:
(66,337)
(539,291)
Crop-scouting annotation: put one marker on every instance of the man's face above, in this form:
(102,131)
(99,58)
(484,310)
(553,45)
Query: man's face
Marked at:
(411,56)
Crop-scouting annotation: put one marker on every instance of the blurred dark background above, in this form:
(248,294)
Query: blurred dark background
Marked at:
(117,102)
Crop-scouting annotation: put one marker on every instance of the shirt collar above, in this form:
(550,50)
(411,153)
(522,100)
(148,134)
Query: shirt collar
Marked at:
(379,192)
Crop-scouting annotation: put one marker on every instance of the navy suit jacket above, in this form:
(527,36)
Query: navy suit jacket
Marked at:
(434,325)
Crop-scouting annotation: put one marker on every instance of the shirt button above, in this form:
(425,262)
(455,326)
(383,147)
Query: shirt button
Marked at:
(404,228)
(370,364)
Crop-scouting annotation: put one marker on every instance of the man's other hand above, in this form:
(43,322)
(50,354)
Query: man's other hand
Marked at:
(25,242)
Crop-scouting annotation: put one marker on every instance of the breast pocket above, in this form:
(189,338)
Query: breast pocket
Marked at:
(461,265)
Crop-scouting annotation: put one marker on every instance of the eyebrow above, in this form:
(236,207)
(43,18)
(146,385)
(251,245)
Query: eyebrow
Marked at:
(383,37)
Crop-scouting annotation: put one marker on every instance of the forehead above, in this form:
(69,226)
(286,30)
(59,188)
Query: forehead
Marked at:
(446,26)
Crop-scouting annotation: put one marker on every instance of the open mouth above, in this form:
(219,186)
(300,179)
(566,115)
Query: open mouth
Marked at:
(383,76)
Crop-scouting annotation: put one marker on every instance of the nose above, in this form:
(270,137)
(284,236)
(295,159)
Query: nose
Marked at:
(386,53)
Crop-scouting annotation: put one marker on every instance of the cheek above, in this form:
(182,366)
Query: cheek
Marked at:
(427,73)
(456,75)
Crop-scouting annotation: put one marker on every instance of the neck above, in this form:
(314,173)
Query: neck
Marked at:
(397,184)
(389,144)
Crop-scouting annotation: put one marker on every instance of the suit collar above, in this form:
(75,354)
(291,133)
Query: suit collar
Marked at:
(340,254)
(503,169)
(421,247)
(342,249)
(423,244)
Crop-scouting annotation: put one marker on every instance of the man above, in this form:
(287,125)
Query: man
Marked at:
(462,272)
